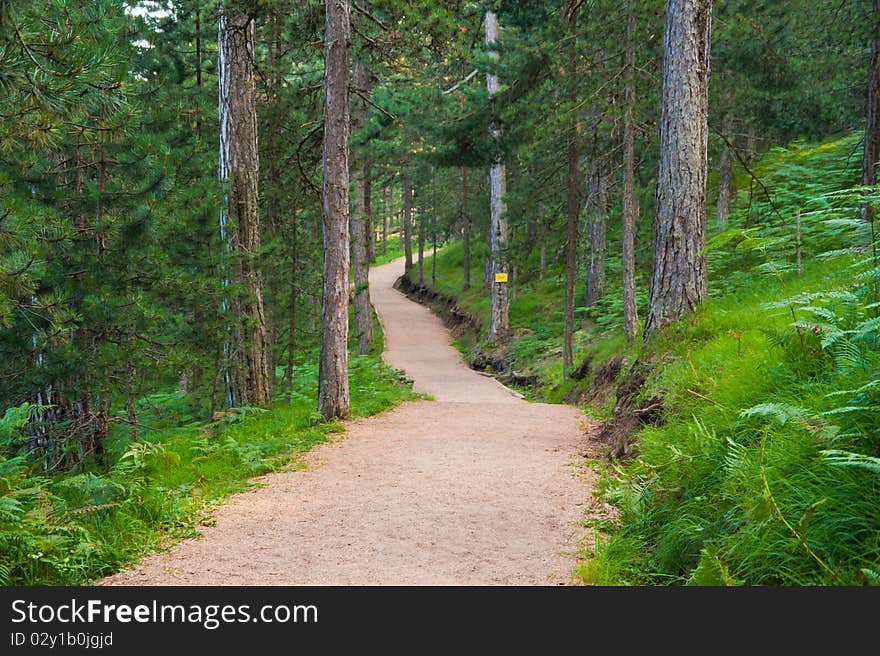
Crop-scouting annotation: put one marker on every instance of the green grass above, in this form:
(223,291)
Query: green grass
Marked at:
(395,250)
(740,485)
(71,529)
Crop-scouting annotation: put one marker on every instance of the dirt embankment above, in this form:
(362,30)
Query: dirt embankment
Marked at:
(624,382)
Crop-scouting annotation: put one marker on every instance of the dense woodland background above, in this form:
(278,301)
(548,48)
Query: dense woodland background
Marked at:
(172,175)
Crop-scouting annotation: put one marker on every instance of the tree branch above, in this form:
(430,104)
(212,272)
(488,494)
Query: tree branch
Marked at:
(468,78)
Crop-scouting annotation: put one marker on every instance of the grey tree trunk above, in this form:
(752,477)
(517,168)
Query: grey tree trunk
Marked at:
(434,249)
(598,230)
(239,165)
(407,224)
(542,231)
(369,235)
(725,177)
(679,280)
(465,231)
(499,321)
(333,399)
(271,185)
(385,217)
(571,233)
(871,148)
(360,230)
(421,237)
(630,206)
(291,335)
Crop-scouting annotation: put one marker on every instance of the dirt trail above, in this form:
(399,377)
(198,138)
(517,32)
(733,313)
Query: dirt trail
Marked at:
(477,487)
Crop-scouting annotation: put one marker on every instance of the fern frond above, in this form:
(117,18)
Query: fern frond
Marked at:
(849,459)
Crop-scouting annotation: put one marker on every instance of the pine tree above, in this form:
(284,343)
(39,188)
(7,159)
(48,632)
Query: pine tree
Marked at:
(499,321)
(679,281)
(248,381)
(333,399)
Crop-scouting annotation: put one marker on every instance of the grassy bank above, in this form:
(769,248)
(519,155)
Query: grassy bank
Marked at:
(69,529)
(762,466)
(394,250)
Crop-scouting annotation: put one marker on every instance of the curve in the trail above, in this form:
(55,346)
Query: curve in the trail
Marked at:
(475,487)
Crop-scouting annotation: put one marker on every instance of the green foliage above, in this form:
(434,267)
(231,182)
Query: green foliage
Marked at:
(775,480)
(395,250)
(69,529)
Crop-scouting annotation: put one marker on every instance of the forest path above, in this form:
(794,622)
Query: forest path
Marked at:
(477,487)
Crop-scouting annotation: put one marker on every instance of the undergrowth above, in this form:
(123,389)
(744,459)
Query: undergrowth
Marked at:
(766,470)
(72,528)
(766,467)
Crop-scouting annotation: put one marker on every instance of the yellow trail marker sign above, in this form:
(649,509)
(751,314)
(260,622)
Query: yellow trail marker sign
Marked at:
(500,277)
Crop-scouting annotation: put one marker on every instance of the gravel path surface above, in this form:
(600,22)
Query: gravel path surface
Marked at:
(476,487)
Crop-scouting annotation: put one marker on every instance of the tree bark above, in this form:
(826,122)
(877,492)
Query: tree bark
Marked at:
(421,237)
(240,166)
(499,322)
(385,218)
(291,309)
(630,206)
(542,228)
(333,399)
(572,193)
(465,232)
(725,177)
(407,224)
(598,227)
(272,188)
(360,259)
(368,214)
(871,147)
(679,280)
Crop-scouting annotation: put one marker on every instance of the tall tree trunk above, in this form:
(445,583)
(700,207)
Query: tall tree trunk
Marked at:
(272,189)
(630,207)
(369,235)
(199,60)
(725,176)
(871,148)
(542,228)
(421,237)
(239,164)
(359,225)
(406,219)
(333,399)
(572,194)
(465,231)
(679,281)
(499,321)
(291,309)
(385,218)
(598,225)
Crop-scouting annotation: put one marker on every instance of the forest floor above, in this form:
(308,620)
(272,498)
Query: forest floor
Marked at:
(474,487)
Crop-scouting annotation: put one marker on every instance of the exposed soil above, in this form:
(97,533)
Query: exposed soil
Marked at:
(475,487)
(631,412)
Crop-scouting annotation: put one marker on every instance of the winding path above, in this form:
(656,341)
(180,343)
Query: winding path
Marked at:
(476,487)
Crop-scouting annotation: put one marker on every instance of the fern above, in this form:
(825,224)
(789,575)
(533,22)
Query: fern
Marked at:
(848,459)
(782,412)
